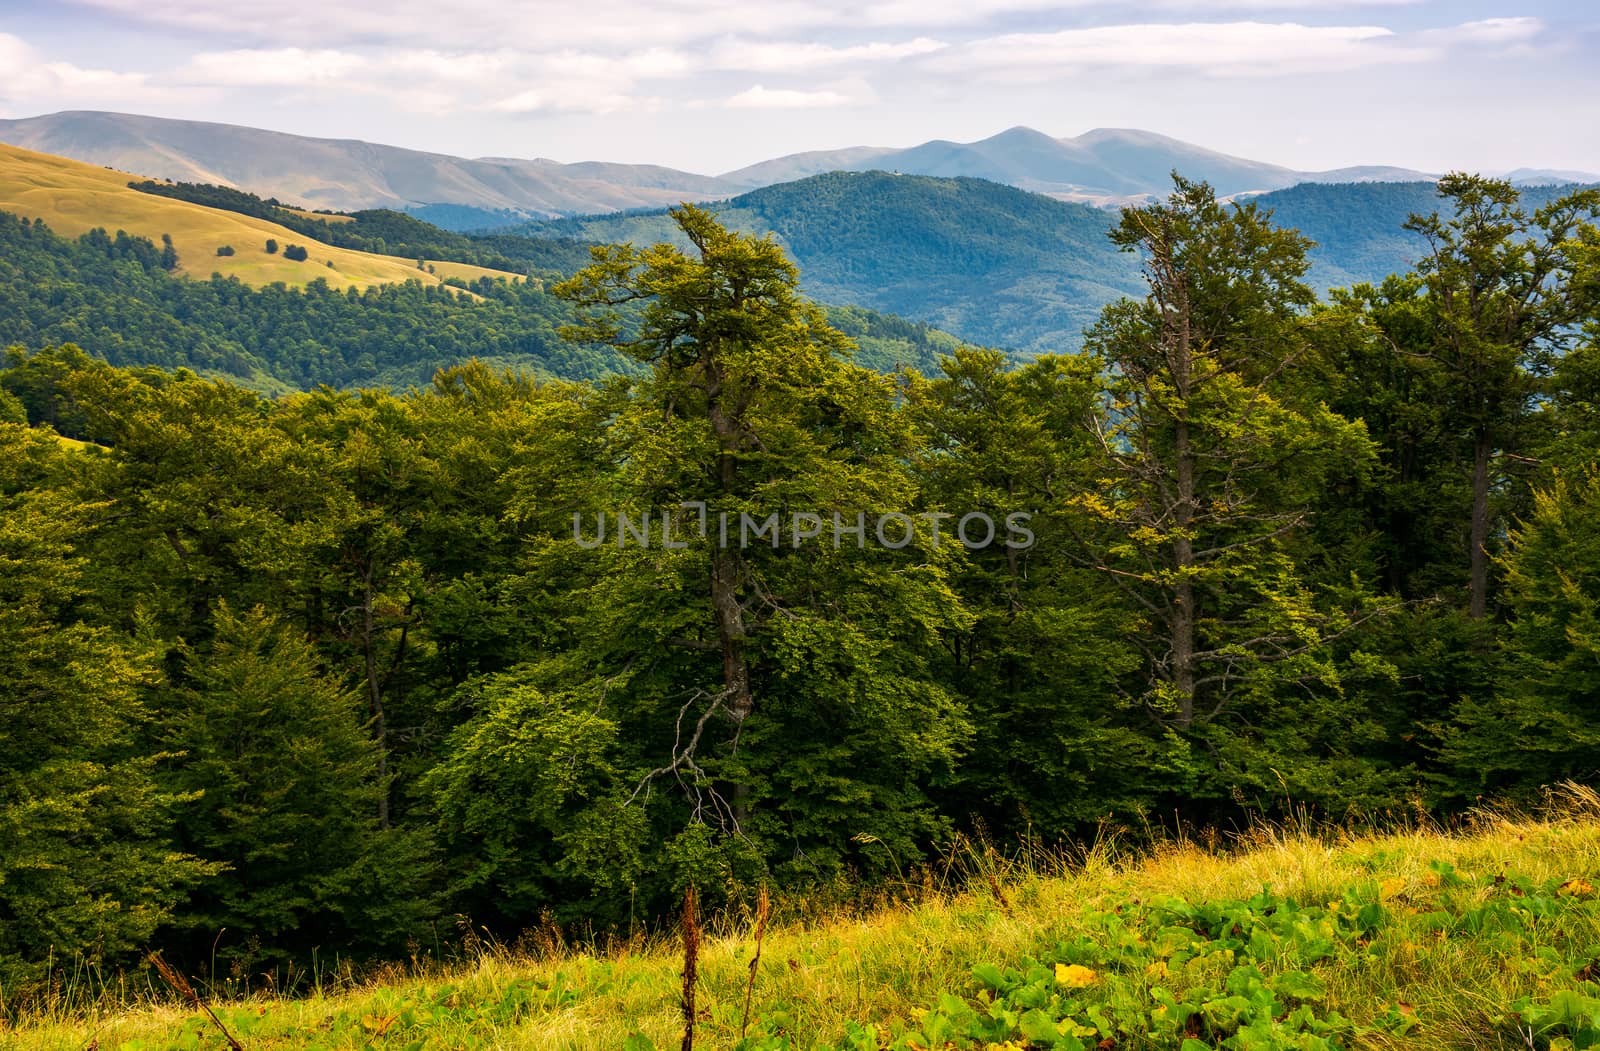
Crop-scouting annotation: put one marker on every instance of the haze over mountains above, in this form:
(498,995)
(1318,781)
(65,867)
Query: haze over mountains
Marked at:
(1105,166)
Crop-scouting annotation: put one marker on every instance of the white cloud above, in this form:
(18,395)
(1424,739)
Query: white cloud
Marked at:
(435,81)
(567,99)
(799,56)
(762,97)
(536,25)
(277,67)
(1217,48)
(545,24)
(1489,31)
(30,77)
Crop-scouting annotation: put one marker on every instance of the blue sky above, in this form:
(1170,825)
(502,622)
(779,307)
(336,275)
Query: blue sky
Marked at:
(710,85)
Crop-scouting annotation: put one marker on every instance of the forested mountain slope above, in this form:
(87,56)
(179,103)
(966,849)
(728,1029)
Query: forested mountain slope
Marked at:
(1004,267)
(990,263)
(114,297)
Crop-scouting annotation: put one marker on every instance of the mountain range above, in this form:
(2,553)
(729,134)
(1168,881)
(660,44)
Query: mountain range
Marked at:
(1105,166)
(347,174)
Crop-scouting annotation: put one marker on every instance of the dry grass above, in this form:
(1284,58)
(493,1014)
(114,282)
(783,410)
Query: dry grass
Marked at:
(74,198)
(883,967)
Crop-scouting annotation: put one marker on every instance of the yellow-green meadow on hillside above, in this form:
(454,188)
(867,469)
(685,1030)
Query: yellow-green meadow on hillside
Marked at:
(1283,937)
(74,198)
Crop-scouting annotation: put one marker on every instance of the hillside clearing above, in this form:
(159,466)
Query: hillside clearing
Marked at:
(1416,938)
(74,198)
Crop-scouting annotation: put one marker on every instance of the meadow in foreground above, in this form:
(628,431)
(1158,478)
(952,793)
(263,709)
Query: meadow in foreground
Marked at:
(1487,937)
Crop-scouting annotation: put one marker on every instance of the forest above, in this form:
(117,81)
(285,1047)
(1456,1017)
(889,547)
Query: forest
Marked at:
(330,671)
(115,297)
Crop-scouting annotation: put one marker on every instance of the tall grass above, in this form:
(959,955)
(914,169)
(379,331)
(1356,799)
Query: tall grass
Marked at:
(880,963)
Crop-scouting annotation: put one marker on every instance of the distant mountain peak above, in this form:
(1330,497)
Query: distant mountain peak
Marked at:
(1102,166)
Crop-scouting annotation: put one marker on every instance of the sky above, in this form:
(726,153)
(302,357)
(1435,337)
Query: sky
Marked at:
(712,85)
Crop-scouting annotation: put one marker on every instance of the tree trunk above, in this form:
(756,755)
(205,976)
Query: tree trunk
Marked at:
(1183,612)
(726,569)
(375,695)
(1478,604)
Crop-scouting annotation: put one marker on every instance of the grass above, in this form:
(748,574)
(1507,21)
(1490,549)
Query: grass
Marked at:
(74,198)
(1282,937)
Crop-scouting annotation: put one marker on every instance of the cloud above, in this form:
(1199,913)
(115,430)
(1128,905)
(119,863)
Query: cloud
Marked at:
(762,97)
(1489,31)
(546,24)
(800,56)
(278,67)
(1215,48)
(473,25)
(30,77)
(437,81)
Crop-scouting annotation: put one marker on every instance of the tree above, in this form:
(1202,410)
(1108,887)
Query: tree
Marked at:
(11,408)
(804,665)
(169,254)
(1043,656)
(225,250)
(1211,463)
(1507,294)
(295,253)
(1542,723)
(272,246)
(285,784)
(86,868)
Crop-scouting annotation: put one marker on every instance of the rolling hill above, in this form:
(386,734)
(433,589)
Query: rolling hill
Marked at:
(1001,266)
(348,174)
(1106,166)
(74,198)
(987,262)
(277,324)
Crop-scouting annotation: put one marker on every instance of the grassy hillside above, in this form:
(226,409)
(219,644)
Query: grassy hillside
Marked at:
(74,198)
(1280,938)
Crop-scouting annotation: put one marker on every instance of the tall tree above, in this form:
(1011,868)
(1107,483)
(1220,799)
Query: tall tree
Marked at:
(1211,461)
(1507,294)
(752,412)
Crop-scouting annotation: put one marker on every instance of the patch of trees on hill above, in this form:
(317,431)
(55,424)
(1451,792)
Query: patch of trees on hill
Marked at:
(386,232)
(114,296)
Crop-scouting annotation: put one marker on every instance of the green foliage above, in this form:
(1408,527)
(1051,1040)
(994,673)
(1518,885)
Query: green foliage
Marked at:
(1541,724)
(114,297)
(805,676)
(11,408)
(86,864)
(285,789)
(1213,459)
(531,806)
